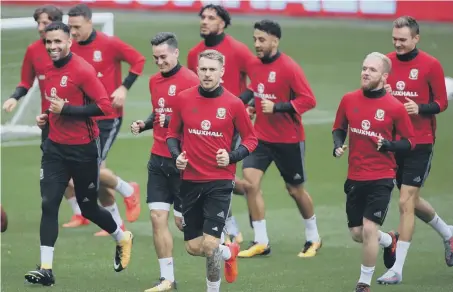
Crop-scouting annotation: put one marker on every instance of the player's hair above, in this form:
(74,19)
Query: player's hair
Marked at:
(221,12)
(212,55)
(386,62)
(269,27)
(54,13)
(168,38)
(57,25)
(81,10)
(407,21)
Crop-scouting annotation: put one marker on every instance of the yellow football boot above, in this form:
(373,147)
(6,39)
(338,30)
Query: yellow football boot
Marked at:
(255,249)
(310,249)
(162,285)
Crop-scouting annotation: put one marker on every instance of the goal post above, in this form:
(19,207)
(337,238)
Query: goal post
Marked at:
(19,125)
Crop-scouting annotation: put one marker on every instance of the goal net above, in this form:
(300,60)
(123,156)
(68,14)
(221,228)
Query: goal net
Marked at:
(17,34)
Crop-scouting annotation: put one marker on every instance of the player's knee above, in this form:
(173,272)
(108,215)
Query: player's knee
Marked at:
(178,222)
(296,191)
(193,248)
(369,230)
(210,243)
(106,196)
(49,205)
(356,234)
(408,199)
(159,219)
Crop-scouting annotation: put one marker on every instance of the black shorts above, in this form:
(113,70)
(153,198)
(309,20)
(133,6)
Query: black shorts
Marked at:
(108,131)
(164,182)
(289,159)
(413,166)
(367,199)
(60,163)
(205,206)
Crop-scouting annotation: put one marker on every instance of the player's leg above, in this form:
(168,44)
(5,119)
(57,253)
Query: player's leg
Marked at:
(77,219)
(375,197)
(254,167)
(85,174)
(107,200)
(290,160)
(159,199)
(54,178)
(109,130)
(423,209)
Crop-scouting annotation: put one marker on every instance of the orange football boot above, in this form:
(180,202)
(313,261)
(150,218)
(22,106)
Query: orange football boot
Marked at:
(76,221)
(105,233)
(133,203)
(231,265)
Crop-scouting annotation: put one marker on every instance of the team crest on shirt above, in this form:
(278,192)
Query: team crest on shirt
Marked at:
(97,56)
(172,90)
(221,113)
(64,81)
(53,92)
(271,78)
(413,74)
(380,114)
(366,125)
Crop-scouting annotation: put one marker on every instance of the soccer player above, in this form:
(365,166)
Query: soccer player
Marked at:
(417,81)
(371,115)
(282,94)
(205,119)
(35,64)
(214,19)
(72,149)
(105,54)
(164,179)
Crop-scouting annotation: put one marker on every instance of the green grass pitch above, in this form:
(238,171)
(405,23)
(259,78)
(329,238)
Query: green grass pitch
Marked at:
(331,54)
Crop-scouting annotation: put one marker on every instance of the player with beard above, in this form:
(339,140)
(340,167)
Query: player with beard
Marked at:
(417,81)
(35,64)
(370,115)
(214,19)
(164,179)
(282,94)
(72,150)
(205,119)
(105,54)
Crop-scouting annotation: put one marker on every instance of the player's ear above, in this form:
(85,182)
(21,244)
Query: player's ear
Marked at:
(69,42)
(385,76)
(416,38)
(222,71)
(275,42)
(177,53)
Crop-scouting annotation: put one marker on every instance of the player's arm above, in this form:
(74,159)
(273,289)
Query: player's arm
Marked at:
(303,98)
(95,91)
(134,58)
(149,123)
(340,127)
(404,128)
(27,76)
(174,132)
(244,126)
(436,79)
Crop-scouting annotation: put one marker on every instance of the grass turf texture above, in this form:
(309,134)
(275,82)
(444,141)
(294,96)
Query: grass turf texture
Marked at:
(331,54)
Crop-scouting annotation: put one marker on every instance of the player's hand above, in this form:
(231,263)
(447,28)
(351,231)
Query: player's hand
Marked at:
(411,107)
(161,120)
(388,88)
(119,97)
(9,105)
(340,151)
(251,111)
(56,105)
(137,126)
(181,161)
(267,106)
(41,120)
(383,145)
(223,158)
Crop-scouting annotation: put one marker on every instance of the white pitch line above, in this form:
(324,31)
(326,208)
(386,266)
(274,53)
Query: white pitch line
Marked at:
(127,136)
